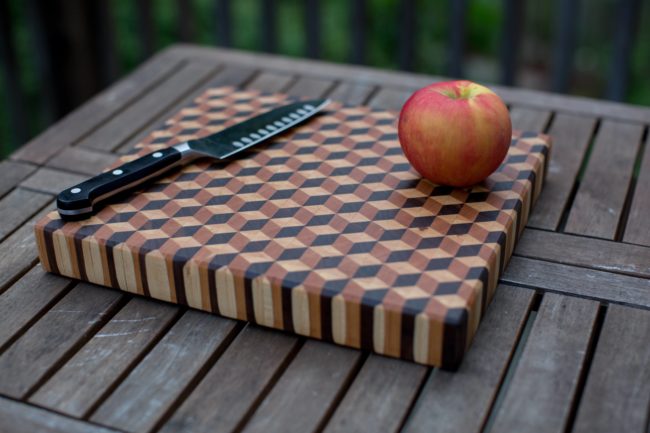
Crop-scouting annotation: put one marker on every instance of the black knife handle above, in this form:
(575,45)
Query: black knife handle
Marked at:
(79,201)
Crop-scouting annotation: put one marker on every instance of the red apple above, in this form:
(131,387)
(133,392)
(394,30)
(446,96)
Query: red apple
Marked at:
(455,133)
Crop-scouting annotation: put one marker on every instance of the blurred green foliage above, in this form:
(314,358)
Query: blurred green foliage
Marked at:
(483,38)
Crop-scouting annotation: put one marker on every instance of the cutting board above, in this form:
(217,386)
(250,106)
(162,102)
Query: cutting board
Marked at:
(325,232)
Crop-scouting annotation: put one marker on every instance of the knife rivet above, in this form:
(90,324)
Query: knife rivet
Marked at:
(75,190)
(117,172)
(157,154)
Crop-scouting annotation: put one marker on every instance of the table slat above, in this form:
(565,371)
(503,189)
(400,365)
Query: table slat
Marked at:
(310,87)
(617,392)
(636,230)
(66,325)
(236,383)
(307,390)
(12,173)
(390,98)
(351,93)
(17,207)
(27,299)
(571,136)
(99,109)
(571,280)
(582,251)
(105,358)
(529,119)
(81,160)
(380,396)
(271,81)
(52,181)
(168,371)
(124,124)
(17,417)
(458,402)
(542,388)
(600,198)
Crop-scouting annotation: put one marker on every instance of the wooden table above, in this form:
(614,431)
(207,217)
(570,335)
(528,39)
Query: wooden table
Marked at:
(564,347)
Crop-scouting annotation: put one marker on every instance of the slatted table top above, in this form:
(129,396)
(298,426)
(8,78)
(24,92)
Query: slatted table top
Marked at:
(563,347)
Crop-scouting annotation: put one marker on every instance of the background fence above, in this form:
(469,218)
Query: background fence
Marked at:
(54,54)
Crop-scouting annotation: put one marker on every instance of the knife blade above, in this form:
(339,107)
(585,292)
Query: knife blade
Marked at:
(80,201)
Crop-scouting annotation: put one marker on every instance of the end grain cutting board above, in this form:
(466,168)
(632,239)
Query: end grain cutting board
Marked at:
(325,231)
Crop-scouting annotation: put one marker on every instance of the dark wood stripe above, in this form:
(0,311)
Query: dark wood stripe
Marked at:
(454,338)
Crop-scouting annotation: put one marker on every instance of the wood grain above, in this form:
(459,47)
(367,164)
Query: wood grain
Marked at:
(98,110)
(26,300)
(636,229)
(529,119)
(542,388)
(571,280)
(600,198)
(271,81)
(571,135)
(70,321)
(17,417)
(390,98)
(17,207)
(379,398)
(110,354)
(617,392)
(155,384)
(234,385)
(12,173)
(307,390)
(582,251)
(461,401)
(351,93)
(18,250)
(310,87)
(51,181)
(123,125)
(80,160)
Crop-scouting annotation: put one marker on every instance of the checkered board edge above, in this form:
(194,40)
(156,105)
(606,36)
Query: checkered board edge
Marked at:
(326,231)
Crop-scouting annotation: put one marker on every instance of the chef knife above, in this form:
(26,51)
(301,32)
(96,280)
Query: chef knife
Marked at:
(79,201)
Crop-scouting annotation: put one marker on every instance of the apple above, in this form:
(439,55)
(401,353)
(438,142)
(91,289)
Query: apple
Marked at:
(455,133)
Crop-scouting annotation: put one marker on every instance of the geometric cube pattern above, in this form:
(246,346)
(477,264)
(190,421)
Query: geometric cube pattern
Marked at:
(325,231)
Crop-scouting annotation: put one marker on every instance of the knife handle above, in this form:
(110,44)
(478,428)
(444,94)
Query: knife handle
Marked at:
(79,201)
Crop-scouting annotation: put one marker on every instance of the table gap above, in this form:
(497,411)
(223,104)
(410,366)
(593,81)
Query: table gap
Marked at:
(145,351)
(212,359)
(416,396)
(104,319)
(520,343)
(576,183)
(584,373)
(276,376)
(627,204)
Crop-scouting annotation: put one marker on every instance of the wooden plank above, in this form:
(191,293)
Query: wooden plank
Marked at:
(81,160)
(12,173)
(617,393)
(18,251)
(533,98)
(636,229)
(582,251)
(571,280)
(307,390)
(51,181)
(379,397)
(127,122)
(461,401)
(25,301)
(271,82)
(228,76)
(96,111)
(309,87)
(529,119)
(390,99)
(351,93)
(108,356)
(601,196)
(168,371)
(571,136)
(235,383)
(18,417)
(36,353)
(542,388)
(18,206)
